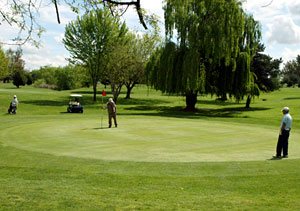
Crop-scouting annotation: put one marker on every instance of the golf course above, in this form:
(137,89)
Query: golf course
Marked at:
(158,158)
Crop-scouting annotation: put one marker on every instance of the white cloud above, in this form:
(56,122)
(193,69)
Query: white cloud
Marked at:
(59,38)
(294,8)
(48,14)
(36,57)
(290,54)
(283,30)
(152,7)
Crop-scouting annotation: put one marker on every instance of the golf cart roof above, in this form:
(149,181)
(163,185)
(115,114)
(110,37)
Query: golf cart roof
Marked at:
(75,95)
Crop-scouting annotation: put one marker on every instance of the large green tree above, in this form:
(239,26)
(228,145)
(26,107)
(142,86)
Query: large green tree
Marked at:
(89,40)
(215,41)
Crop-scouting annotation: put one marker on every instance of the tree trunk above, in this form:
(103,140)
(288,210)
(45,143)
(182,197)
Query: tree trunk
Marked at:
(224,97)
(248,102)
(95,91)
(128,93)
(116,90)
(191,100)
(129,89)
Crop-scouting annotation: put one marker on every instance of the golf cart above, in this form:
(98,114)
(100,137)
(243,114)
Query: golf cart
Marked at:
(74,104)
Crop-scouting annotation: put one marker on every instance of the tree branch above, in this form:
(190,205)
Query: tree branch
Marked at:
(268,4)
(137,5)
(57,13)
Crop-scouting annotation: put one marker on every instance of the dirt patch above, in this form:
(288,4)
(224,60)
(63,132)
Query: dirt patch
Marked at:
(3,108)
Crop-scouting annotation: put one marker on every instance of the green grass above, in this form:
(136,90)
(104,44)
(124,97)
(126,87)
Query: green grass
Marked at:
(159,158)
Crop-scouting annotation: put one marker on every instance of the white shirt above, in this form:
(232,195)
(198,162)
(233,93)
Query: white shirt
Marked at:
(287,119)
(14,102)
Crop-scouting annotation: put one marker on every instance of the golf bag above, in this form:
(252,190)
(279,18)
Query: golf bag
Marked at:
(12,109)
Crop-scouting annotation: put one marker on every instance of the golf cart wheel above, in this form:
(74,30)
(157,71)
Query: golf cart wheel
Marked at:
(81,111)
(69,110)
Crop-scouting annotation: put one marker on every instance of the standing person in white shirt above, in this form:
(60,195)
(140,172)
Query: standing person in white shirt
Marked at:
(15,101)
(13,105)
(283,139)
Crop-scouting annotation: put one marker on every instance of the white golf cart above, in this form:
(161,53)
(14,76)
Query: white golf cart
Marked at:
(74,104)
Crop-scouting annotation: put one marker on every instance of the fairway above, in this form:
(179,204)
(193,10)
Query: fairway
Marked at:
(154,139)
(159,157)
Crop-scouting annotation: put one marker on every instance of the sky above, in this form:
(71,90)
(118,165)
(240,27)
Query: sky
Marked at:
(280,23)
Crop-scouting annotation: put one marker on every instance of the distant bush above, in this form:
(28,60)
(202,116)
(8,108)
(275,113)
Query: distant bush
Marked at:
(41,83)
(67,78)
(29,80)
(60,78)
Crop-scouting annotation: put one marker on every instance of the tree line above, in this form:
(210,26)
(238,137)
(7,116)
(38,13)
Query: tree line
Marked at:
(211,47)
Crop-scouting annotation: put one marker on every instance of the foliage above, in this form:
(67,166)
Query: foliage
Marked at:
(29,79)
(68,78)
(291,72)
(266,70)
(127,61)
(60,78)
(19,78)
(16,67)
(216,41)
(88,40)
(3,64)
(22,15)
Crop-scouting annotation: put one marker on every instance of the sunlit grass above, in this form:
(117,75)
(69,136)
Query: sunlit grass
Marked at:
(159,158)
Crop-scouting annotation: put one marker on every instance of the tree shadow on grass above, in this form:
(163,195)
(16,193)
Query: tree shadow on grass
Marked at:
(86,101)
(217,102)
(99,93)
(292,98)
(141,101)
(177,112)
(63,102)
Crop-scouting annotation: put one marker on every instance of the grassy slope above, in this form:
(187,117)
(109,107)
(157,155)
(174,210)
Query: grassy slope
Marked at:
(34,180)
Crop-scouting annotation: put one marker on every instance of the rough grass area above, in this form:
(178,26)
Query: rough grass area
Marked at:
(159,158)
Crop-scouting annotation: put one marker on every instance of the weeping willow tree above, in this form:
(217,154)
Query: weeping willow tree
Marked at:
(213,39)
(237,79)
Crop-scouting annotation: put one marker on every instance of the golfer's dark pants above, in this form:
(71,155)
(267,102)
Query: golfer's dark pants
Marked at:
(110,116)
(283,143)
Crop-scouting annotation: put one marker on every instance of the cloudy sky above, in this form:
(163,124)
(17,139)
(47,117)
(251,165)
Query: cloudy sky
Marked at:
(280,27)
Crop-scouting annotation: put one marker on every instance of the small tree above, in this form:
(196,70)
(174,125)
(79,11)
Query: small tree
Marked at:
(141,49)
(16,67)
(119,63)
(291,72)
(3,64)
(19,78)
(88,40)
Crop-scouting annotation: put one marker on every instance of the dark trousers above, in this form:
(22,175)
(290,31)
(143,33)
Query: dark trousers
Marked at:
(110,116)
(283,143)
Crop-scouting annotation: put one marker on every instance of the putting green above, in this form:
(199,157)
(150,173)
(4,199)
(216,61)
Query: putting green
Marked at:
(155,139)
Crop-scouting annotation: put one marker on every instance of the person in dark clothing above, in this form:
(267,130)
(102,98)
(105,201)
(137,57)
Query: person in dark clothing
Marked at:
(112,112)
(283,139)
